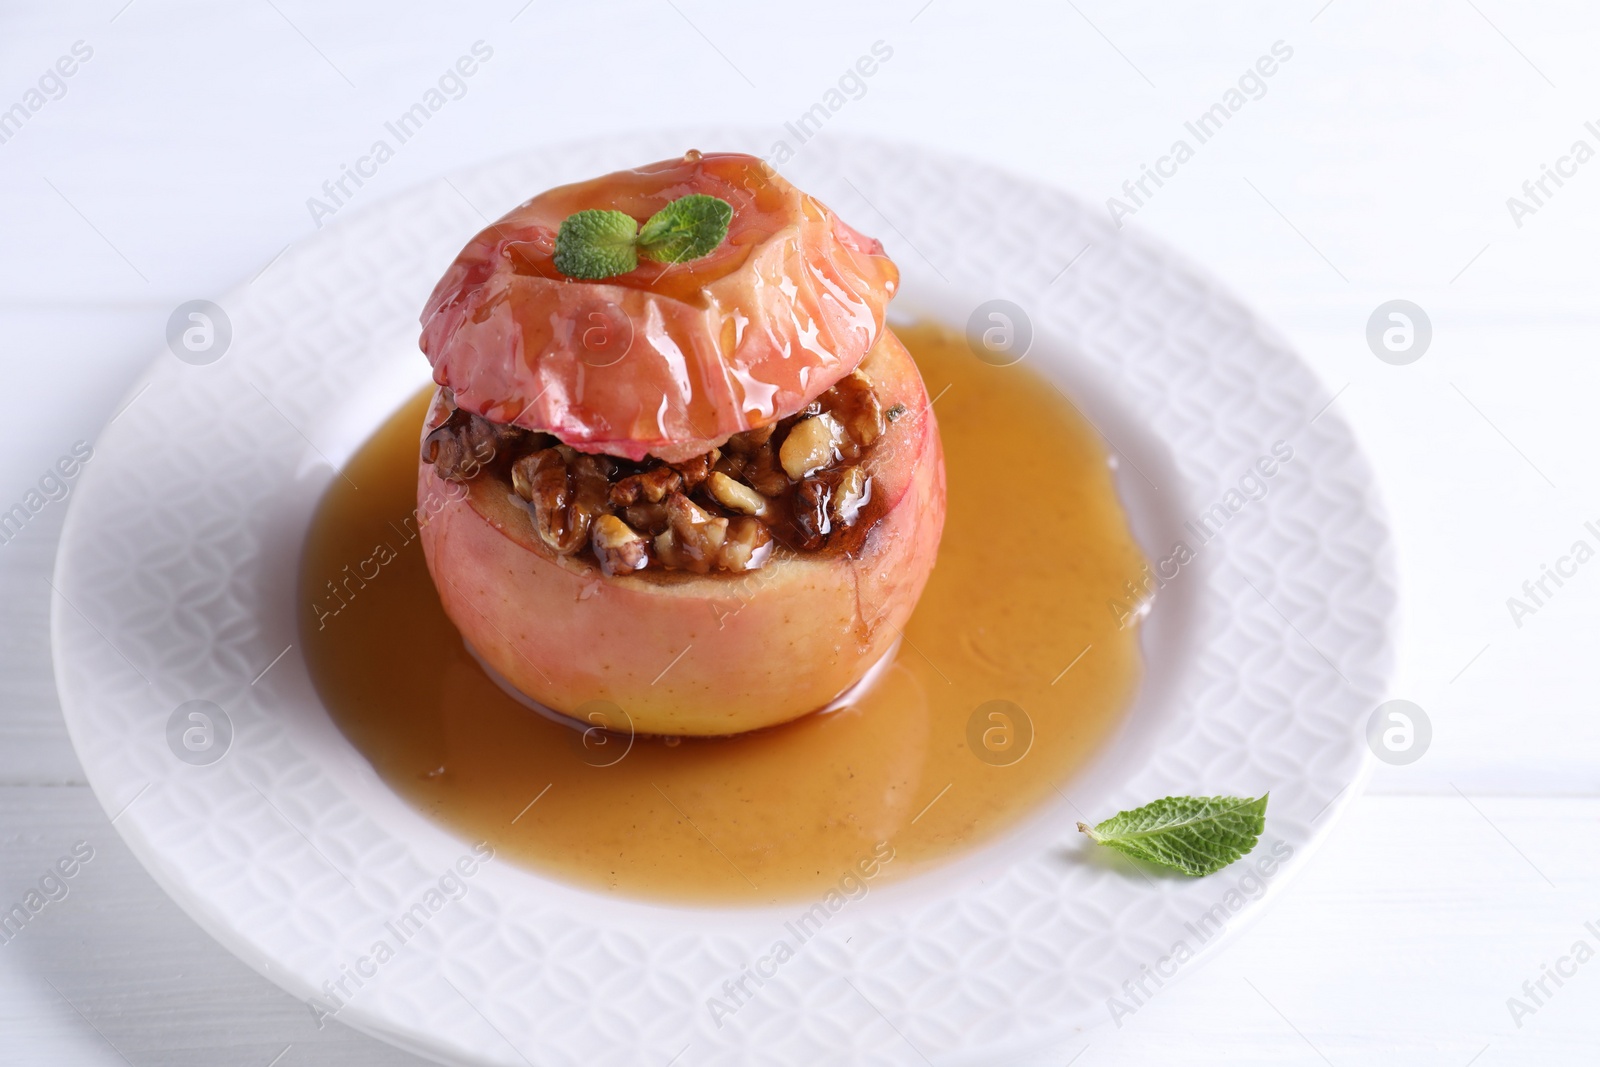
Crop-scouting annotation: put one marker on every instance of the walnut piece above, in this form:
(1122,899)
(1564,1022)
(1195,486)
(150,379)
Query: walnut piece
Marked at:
(697,541)
(619,548)
(696,469)
(696,535)
(811,445)
(763,473)
(464,444)
(856,406)
(736,496)
(850,495)
(567,491)
(813,517)
(652,518)
(747,545)
(650,486)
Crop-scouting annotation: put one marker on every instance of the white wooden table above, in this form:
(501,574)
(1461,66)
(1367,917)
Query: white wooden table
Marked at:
(177,161)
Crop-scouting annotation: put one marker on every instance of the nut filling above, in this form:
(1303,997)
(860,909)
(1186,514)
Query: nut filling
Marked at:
(798,484)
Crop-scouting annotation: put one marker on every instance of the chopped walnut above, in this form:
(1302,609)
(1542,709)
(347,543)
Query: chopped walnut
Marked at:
(527,469)
(813,517)
(811,445)
(650,486)
(736,496)
(694,540)
(618,547)
(696,469)
(850,495)
(567,490)
(695,535)
(655,483)
(648,517)
(827,502)
(666,549)
(747,545)
(764,474)
(857,409)
(460,447)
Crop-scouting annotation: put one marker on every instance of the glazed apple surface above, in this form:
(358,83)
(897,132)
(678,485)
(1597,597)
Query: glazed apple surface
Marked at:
(667,359)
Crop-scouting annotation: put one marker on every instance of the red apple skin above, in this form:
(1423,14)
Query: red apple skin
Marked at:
(687,654)
(663,360)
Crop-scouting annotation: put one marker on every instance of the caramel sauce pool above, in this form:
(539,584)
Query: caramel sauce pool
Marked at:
(925,761)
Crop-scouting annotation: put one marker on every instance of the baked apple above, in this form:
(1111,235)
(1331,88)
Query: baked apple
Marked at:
(682,469)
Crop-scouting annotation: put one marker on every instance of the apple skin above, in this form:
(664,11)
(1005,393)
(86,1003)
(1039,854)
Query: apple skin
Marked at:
(686,654)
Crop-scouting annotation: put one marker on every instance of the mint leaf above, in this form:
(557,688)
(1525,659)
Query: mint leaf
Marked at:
(1195,835)
(596,244)
(688,228)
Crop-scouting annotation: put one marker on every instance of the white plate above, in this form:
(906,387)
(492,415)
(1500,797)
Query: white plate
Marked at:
(1266,654)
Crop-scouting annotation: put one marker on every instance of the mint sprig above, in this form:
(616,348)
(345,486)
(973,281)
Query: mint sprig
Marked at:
(1195,835)
(688,228)
(597,243)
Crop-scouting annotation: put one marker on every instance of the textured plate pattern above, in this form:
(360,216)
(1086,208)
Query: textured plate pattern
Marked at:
(175,577)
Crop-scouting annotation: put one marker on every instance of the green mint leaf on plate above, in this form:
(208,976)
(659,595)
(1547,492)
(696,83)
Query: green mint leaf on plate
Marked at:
(596,244)
(688,228)
(1195,835)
